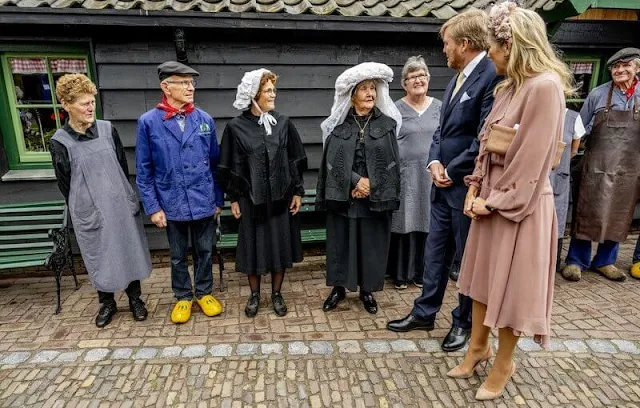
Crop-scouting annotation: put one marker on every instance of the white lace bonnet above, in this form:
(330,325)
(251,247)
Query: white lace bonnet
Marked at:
(247,91)
(346,82)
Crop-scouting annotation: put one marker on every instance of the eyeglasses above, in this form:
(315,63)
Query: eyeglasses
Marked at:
(185,84)
(418,77)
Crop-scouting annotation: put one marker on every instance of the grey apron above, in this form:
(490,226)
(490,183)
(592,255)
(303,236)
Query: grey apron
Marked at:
(105,213)
(610,186)
(560,177)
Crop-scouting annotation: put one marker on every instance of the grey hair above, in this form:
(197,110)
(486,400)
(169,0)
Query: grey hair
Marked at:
(415,63)
(637,61)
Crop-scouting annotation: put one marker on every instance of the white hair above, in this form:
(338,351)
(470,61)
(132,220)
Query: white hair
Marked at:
(413,64)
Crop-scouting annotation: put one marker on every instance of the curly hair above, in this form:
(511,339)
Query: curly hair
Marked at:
(70,86)
(267,76)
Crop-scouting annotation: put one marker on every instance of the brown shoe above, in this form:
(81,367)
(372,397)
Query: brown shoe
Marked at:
(612,273)
(572,273)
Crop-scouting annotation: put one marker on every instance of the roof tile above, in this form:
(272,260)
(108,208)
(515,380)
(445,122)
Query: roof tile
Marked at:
(443,9)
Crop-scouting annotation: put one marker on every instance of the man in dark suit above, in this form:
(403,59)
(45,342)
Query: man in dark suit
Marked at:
(467,101)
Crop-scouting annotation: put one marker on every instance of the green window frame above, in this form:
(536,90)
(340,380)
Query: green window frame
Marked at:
(19,156)
(595,75)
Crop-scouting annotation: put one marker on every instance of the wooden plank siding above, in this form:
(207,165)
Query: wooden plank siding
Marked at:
(307,71)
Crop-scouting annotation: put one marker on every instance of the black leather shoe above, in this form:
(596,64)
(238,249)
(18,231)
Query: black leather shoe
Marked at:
(456,339)
(369,303)
(410,322)
(278,304)
(337,294)
(251,310)
(106,313)
(454,273)
(138,309)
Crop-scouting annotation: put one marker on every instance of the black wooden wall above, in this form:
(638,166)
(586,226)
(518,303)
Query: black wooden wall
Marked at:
(307,72)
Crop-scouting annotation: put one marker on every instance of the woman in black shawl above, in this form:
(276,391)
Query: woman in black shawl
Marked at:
(261,164)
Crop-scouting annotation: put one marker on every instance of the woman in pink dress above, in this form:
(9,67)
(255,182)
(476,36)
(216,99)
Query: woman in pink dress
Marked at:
(509,261)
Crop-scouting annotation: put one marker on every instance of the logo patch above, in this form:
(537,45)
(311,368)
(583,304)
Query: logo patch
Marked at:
(204,128)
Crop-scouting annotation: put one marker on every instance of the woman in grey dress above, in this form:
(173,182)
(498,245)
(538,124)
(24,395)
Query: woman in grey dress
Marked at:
(410,223)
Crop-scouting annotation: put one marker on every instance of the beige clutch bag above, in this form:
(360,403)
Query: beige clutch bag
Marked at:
(500,138)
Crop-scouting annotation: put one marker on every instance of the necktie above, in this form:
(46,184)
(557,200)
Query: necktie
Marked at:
(459,83)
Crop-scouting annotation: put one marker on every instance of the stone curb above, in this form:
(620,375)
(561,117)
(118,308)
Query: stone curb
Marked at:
(297,348)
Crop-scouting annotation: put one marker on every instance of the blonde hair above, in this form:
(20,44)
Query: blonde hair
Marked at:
(267,76)
(531,52)
(70,86)
(470,25)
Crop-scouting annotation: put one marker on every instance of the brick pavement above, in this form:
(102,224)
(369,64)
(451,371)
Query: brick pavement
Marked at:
(308,358)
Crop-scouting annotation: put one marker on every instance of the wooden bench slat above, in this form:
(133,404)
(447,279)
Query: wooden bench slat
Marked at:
(20,252)
(23,258)
(22,237)
(27,245)
(35,227)
(56,208)
(23,264)
(34,204)
(21,218)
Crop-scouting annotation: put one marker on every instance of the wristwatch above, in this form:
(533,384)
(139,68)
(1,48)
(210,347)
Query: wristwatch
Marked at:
(488,207)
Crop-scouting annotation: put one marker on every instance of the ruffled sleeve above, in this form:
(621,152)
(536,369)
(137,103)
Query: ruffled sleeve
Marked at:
(516,192)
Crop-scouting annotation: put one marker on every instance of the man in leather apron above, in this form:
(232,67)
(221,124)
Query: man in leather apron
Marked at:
(610,184)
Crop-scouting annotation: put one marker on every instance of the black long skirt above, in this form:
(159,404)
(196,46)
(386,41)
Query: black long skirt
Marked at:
(406,257)
(267,245)
(357,251)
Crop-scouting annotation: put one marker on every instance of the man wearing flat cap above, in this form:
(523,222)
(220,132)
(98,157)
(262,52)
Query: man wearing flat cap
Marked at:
(610,184)
(176,159)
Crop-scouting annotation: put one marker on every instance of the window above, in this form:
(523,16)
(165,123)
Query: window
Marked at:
(585,72)
(33,109)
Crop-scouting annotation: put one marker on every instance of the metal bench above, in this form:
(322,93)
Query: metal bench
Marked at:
(37,234)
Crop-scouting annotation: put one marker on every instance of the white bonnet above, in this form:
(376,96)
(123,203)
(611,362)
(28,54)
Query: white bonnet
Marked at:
(248,88)
(347,81)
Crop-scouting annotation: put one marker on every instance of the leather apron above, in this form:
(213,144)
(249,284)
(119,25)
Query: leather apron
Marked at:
(610,185)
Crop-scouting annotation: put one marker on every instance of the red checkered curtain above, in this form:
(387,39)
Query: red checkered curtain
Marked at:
(69,66)
(582,68)
(28,66)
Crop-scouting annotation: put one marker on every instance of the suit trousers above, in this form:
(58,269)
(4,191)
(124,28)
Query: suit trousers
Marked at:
(448,230)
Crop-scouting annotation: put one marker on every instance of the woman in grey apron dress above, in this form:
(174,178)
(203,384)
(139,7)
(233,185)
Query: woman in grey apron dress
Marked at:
(92,174)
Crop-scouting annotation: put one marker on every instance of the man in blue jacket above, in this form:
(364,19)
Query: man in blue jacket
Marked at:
(176,158)
(467,101)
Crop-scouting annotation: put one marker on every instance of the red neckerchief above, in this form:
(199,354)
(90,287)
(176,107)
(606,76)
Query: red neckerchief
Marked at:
(632,89)
(171,111)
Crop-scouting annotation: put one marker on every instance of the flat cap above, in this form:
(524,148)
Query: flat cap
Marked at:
(624,55)
(166,69)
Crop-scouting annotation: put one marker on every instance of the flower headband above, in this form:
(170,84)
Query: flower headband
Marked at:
(499,23)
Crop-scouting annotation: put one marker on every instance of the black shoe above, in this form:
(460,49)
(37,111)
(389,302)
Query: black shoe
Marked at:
(251,310)
(418,283)
(456,339)
(106,313)
(138,309)
(454,273)
(410,322)
(337,294)
(369,303)
(278,304)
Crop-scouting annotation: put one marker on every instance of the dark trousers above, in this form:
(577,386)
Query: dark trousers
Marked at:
(448,230)
(636,252)
(133,291)
(202,233)
(580,254)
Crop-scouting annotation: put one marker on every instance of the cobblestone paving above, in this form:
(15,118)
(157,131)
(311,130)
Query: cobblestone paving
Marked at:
(309,358)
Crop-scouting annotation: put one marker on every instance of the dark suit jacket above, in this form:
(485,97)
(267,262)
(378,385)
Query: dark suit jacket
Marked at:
(455,142)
